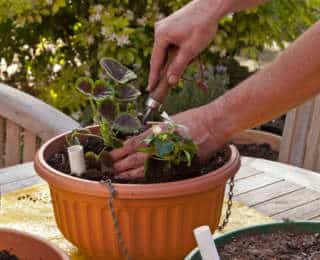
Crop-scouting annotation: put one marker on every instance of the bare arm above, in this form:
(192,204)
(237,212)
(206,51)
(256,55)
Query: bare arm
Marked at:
(289,81)
(190,29)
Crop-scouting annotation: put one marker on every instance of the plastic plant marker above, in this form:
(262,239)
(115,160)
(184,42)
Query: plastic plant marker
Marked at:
(206,243)
(76,159)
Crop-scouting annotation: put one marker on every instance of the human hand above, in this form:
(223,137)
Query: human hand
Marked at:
(190,29)
(129,163)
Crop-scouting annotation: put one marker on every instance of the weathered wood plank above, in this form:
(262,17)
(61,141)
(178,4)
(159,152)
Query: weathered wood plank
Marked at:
(304,212)
(2,141)
(266,193)
(16,173)
(287,202)
(312,143)
(245,172)
(285,146)
(317,218)
(298,145)
(29,146)
(27,182)
(33,114)
(12,149)
(307,178)
(254,182)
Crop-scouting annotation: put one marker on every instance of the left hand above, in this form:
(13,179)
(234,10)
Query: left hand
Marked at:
(129,164)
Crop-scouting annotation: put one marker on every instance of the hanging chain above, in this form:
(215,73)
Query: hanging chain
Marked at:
(229,205)
(115,221)
(112,191)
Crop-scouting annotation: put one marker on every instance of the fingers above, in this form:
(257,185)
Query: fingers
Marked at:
(133,161)
(132,174)
(129,147)
(178,65)
(157,60)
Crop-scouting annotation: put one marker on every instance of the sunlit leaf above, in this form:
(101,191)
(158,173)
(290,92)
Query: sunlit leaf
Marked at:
(85,85)
(108,110)
(101,90)
(127,124)
(117,71)
(127,93)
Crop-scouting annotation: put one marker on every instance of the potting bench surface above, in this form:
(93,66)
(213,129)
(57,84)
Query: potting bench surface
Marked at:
(277,190)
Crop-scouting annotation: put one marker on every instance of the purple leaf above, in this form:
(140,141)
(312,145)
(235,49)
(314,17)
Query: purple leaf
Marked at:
(101,90)
(117,71)
(127,93)
(127,124)
(108,109)
(85,85)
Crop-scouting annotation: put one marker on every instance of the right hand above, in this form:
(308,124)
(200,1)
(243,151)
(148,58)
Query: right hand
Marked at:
(129,163)
(190,29)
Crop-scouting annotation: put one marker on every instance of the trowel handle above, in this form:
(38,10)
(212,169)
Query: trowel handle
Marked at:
(163,88)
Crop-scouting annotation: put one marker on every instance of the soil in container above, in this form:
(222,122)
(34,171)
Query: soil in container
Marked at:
(6,255)
(279,245)
(59,161)
(263,151)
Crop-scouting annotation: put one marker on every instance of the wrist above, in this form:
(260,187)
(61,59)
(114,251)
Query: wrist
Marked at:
(216,9)
(216,121)
(220,8)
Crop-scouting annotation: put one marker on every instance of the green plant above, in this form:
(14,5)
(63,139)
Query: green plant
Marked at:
(113,102)
(167,148)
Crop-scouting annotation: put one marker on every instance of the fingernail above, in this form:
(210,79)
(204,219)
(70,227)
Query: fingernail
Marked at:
(173,79)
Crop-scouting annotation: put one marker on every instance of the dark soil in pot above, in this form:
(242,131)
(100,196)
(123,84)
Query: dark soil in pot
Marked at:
(6,255)
(263,151)
(59,161)
(279,245)
(275,126)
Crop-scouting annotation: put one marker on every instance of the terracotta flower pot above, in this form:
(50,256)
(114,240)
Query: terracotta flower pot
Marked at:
(26,246)
(258,137)
(156,220)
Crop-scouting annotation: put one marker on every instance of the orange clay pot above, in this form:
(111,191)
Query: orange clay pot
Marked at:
(156,220)
(26,246)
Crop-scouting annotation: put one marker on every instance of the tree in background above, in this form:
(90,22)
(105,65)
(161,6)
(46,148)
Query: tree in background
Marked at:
(47,44)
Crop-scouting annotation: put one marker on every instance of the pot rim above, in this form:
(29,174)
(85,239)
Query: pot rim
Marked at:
(199,184)
(62,255)
(303,225)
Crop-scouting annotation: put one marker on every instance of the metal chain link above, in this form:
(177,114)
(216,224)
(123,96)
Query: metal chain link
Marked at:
(229,205)
(112,191)
(123,248)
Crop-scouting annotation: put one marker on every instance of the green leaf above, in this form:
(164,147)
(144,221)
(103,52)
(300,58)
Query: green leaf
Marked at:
(189,159)
(164,148)
(117,71)
(92,160)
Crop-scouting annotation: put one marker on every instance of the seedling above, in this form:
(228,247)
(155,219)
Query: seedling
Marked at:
(167,147)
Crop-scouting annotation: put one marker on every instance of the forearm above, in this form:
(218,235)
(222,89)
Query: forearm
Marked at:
(289,81)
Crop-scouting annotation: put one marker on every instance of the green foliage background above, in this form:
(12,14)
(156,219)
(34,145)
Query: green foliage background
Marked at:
(46,45)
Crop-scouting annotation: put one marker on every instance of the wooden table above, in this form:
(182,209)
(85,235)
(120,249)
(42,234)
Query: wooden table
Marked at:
(275,189)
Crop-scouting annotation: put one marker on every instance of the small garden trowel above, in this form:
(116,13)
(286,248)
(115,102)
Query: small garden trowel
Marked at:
(158,95)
